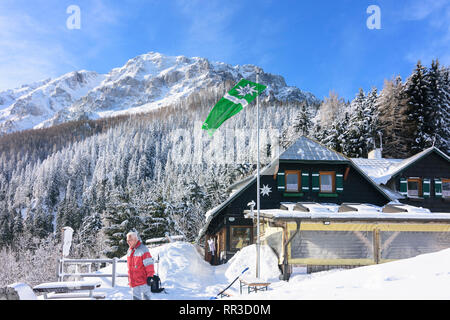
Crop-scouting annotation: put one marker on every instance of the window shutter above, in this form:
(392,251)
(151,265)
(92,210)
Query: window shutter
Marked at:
(281,181)
(339,182)
(403,186)
(305,181)
(315,182)
(426,188)
(438,188)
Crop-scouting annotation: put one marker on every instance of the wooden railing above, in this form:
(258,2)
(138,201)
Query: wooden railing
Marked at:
(77,262)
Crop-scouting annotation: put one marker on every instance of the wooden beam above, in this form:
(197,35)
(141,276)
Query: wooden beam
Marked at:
(347,170)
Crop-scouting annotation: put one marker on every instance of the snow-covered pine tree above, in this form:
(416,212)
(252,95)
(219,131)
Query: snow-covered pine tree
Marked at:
(17,227)
(87,240)
(120,217)
(438,92)
(318,132)
(69,213)
(444,130)
(337,135)
(302,124)
(42,222)
(152,209)
(358,132)
(419,109)
(371,115)
(6,235)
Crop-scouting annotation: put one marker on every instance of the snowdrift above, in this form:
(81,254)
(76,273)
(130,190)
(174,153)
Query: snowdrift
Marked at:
(423,277)
(186,275)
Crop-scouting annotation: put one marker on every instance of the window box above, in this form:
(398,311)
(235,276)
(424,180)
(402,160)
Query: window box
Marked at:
(328,195)
(293,194)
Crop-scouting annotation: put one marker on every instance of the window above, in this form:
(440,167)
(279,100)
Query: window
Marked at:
(414,187)
(446,188)
(240,237)
(292,180)
(327,182)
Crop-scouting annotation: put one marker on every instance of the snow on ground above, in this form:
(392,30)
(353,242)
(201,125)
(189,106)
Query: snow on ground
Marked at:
(420,278)
(186,276)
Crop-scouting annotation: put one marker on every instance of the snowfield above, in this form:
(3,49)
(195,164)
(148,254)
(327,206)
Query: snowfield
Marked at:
(186,276)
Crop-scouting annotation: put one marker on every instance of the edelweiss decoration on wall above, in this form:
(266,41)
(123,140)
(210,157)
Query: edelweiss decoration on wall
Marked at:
(265,190)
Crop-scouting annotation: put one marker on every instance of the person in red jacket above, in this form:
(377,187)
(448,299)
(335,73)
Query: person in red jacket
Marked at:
(140,267)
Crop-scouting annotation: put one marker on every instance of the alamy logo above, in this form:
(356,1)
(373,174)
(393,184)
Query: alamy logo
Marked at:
(226,146)
(74,20)
(374,20)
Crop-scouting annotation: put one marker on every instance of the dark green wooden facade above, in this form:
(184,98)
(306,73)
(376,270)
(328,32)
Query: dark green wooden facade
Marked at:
(431,168)
(351,185)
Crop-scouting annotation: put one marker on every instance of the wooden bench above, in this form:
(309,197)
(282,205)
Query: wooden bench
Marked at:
(253,285)
(69,289)
(76,296)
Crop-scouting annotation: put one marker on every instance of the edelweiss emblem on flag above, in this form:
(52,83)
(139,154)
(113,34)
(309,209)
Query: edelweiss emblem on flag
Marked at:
(243,91)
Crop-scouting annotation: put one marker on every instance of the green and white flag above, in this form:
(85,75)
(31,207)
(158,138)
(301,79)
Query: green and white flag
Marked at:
(231,103)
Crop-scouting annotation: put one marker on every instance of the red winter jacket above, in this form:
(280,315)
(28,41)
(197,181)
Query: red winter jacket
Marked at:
(140,265)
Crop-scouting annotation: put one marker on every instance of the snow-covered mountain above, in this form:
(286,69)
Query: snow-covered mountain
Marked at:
(32,106)
(144,83)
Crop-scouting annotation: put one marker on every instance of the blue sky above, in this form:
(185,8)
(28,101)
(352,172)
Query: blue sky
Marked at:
(317,46)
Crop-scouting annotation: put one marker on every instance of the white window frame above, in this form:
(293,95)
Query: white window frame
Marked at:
(292,173)
(419,187)
(330,188)
(445,193)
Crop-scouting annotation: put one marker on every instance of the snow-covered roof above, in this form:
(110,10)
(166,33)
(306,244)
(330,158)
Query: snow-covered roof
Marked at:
(375,168)
(382,170)
(316,207)
(394,195)
(161,239)
(360,211)
(306,149)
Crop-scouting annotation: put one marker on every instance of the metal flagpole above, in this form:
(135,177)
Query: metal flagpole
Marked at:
(257,185)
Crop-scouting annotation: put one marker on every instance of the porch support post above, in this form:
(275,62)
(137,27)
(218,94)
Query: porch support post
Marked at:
(285,265)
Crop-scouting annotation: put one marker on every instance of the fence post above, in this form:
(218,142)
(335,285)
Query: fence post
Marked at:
(376,246)
(61,270)
(114,265)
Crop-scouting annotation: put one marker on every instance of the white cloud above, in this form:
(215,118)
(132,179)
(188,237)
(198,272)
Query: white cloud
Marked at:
(208,32)
(28,52)
(33,47)
(435,15)
(422,9)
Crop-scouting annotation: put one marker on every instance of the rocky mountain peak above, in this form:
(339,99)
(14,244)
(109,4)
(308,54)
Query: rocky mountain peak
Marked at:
(145,82)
